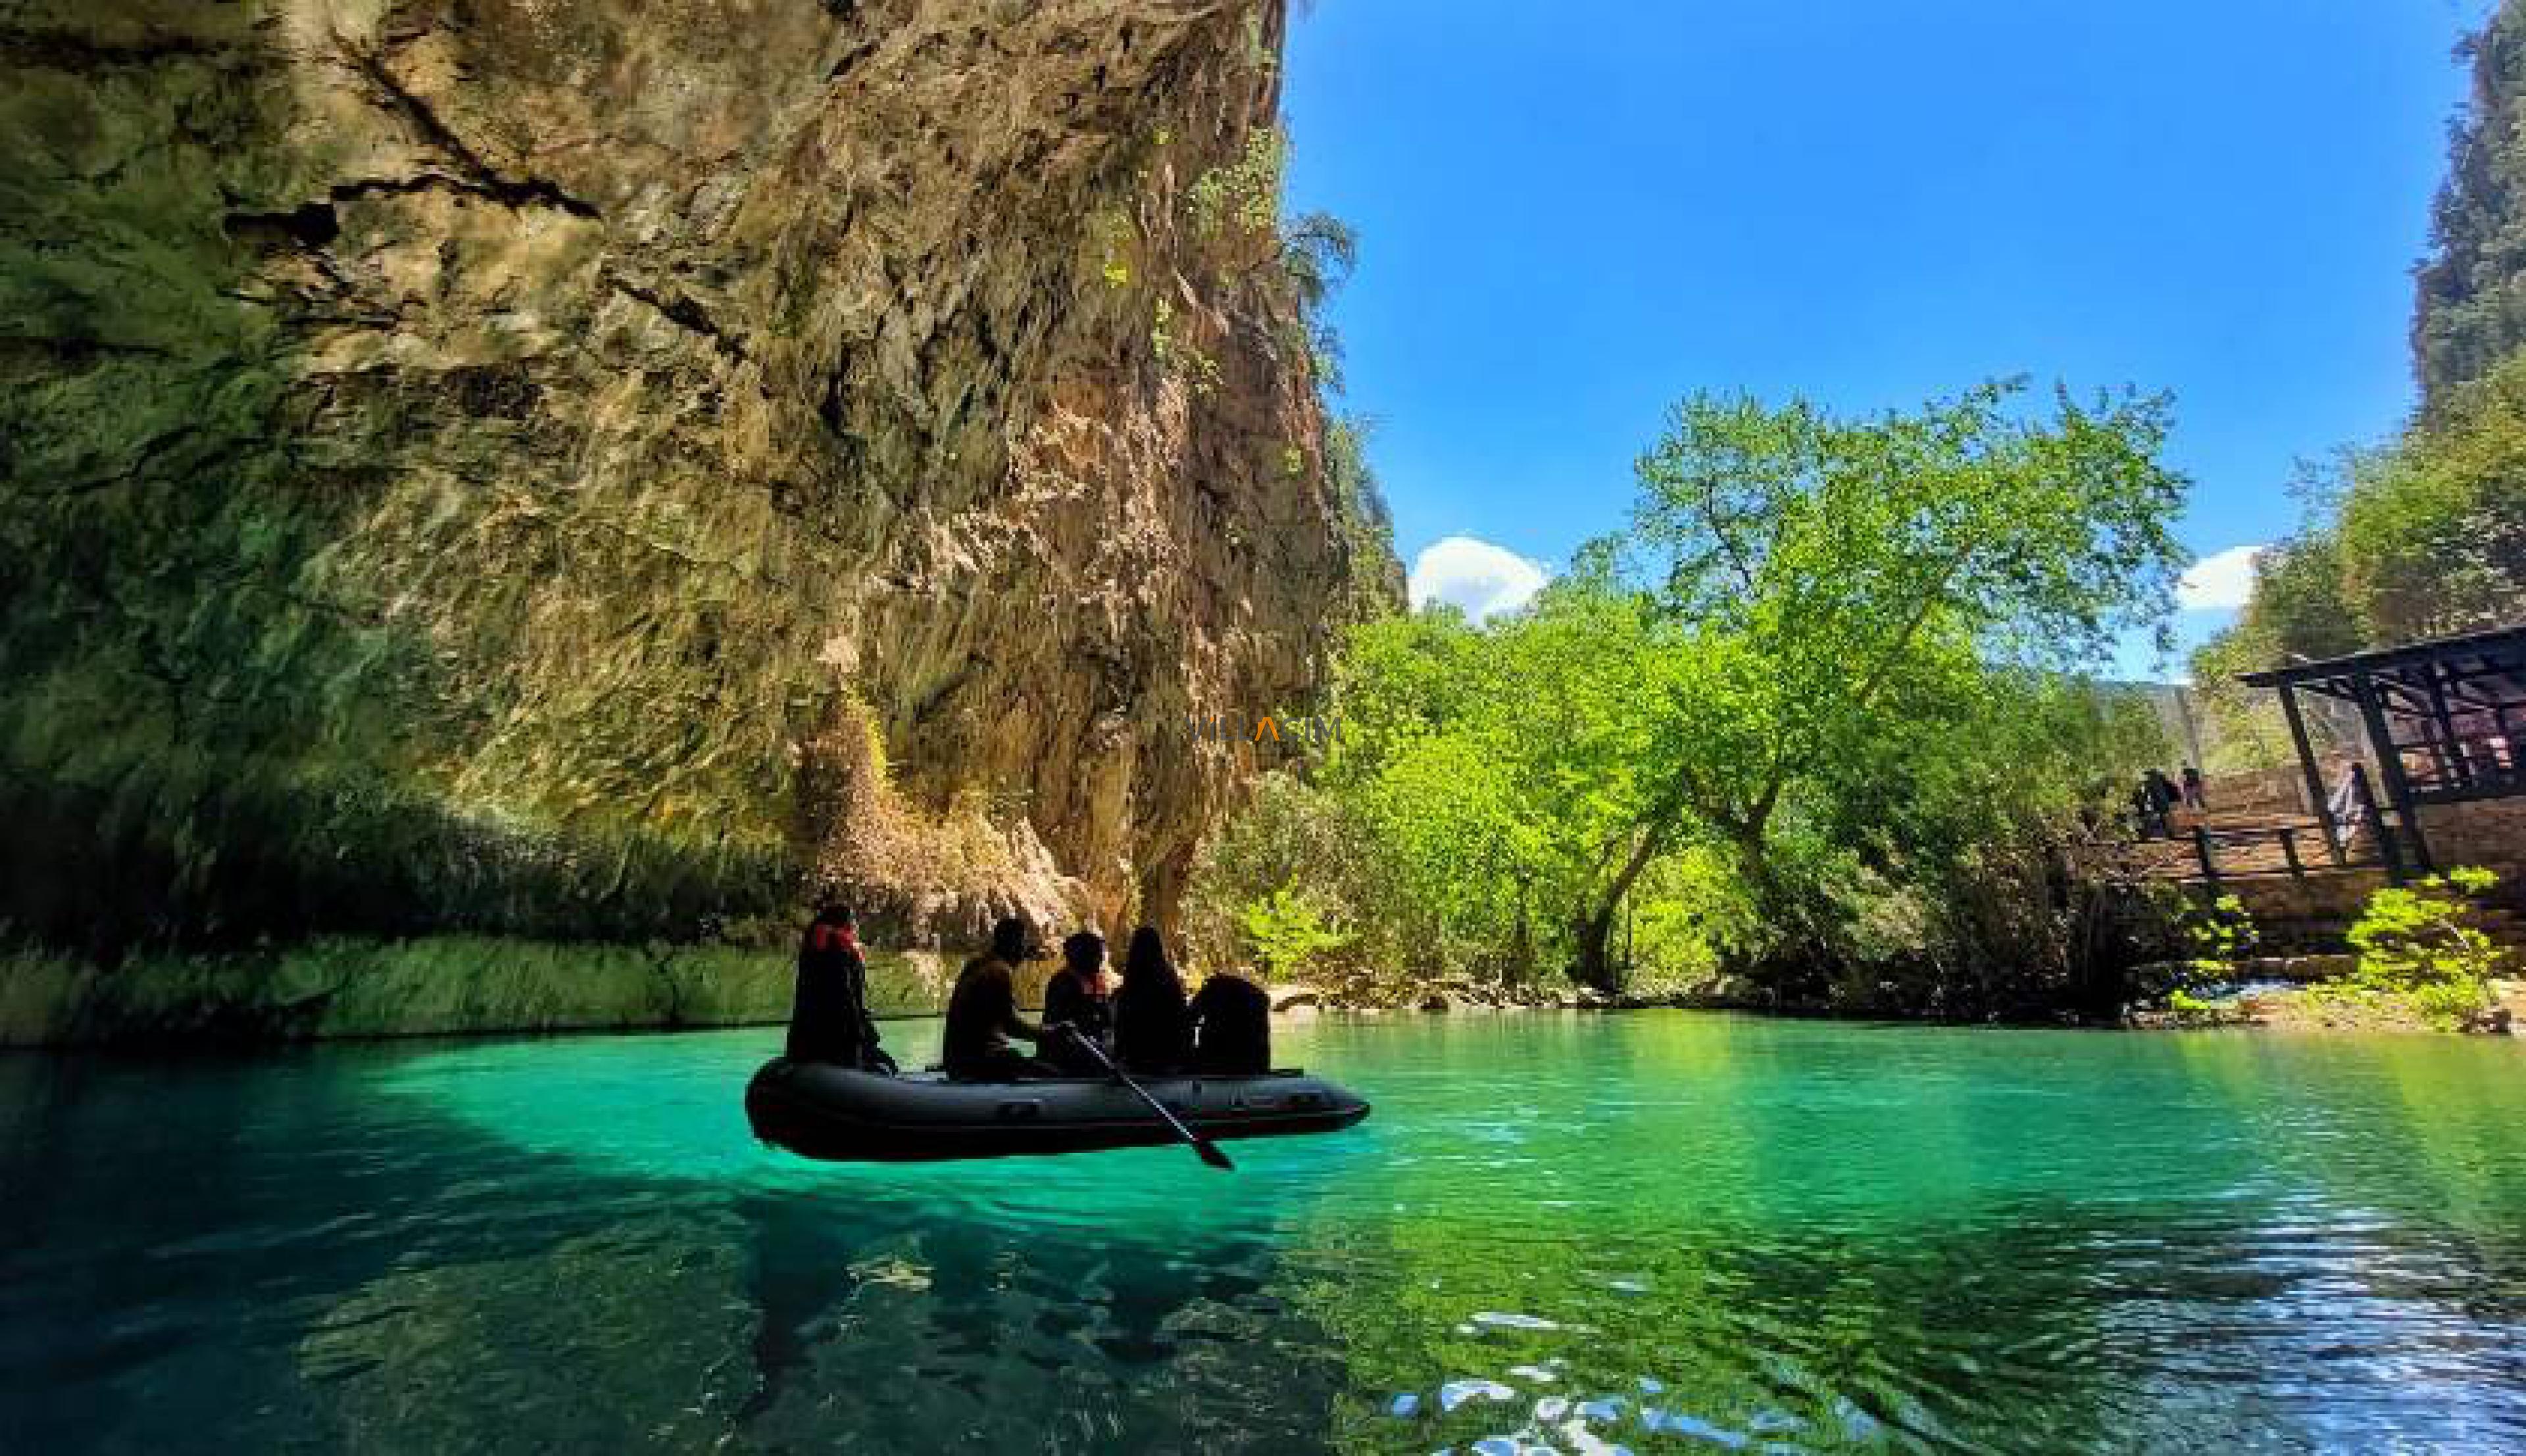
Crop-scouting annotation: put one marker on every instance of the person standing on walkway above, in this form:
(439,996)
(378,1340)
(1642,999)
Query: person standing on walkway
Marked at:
(2163,796)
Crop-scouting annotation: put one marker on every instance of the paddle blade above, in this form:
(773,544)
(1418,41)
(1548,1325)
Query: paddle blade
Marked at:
(1211,1155)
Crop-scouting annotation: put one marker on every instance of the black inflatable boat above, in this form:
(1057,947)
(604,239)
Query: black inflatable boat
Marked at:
(835,1113)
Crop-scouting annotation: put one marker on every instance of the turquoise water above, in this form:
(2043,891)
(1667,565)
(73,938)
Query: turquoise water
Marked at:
(1666,1231)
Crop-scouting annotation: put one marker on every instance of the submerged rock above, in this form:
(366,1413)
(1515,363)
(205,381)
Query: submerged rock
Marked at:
(1587,1443)
(1457,1392)
(1494,1319)
(1694,1427)
(1856,1425)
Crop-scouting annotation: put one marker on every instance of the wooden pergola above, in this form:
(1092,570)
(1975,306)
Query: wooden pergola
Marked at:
(2442,719)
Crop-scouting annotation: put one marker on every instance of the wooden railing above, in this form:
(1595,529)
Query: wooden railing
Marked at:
(2470,764)
(2357,838)
(2367,834)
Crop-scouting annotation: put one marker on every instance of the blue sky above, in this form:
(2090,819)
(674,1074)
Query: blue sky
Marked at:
(1572,214)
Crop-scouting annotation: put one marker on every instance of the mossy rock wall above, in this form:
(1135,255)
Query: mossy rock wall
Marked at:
(462,468)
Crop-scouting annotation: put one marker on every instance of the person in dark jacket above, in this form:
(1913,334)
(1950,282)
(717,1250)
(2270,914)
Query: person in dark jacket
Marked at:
(2164,798)
(1152,1029)
(983,1014)
(2193,795)
(1231,1020)
(1079,999)
(829,1016)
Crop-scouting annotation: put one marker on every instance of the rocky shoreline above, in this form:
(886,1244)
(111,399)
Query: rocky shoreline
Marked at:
(2293,993)
(424,986)
(2306,1008)
(1458,998)
(2279,994)
(449,985)
(459,986)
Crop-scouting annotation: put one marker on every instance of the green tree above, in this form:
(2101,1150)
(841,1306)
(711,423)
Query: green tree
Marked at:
(1814,702)
(1318,252)
(1834,586)
(2469,306)
(2427,535)
(1375,585)
(2432,536)
(2419,539)
(1499,764)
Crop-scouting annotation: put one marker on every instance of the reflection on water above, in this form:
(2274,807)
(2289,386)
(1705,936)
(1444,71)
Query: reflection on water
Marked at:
(1663,1232)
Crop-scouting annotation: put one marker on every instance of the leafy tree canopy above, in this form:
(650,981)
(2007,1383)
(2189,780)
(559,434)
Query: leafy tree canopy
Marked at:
(1839,583)
(1802,707)
(2469,306)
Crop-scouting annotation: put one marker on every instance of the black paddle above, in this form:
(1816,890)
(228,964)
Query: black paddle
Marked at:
(1208,1150)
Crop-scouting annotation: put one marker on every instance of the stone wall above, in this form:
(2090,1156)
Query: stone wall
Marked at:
(2308,914)
(2490,832)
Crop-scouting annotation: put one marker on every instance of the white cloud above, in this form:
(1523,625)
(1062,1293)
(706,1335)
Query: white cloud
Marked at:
(1483,579)
(2220,582)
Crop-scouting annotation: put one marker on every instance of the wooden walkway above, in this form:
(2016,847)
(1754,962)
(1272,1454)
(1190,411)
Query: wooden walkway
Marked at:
(2219,845)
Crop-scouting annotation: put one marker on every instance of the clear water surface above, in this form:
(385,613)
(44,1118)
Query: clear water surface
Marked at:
(1662,1231)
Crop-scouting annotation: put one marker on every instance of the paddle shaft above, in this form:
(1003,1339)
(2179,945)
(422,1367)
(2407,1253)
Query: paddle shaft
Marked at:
(1207,1150)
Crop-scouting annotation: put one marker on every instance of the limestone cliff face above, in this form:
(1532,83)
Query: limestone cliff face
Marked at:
(536,461)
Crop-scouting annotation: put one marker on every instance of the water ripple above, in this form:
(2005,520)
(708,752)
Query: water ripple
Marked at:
(1657,1233)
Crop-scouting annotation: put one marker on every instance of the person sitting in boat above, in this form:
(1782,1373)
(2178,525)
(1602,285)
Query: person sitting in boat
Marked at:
(829,1016)
(1079,999)
(1231,1020)
(983,1014)
(1152,1030)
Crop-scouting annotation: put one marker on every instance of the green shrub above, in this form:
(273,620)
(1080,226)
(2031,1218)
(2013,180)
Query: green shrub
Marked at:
(1244,195)
(2189,1010)
(1287,933)
(2213,940)
(2218,936)
(2417,945)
